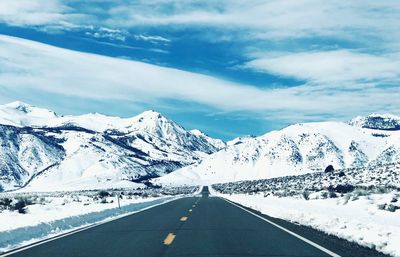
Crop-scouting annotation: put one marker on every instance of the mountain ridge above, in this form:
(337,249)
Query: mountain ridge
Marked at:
(295,150)
(91,150)
(43,150)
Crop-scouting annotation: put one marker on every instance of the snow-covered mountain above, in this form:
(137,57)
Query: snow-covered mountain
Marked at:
(42,151)
(298,149)
(20,114)
(385,122)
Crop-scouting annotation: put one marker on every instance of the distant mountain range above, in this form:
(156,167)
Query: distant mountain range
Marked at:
(42,151)
(298,149)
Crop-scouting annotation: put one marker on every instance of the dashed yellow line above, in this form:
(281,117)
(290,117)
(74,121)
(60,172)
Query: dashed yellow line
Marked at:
(184,218)
(169,239)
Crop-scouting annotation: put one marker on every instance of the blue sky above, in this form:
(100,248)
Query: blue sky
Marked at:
(234,67)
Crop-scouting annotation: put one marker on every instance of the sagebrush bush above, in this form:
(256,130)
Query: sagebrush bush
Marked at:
(341,189)
(306,195)
(21,204)
(381,206)
(5,203)
(103,194)
(391,208)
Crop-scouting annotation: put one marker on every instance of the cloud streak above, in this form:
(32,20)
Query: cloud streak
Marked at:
(152,38)
(39,13)
(268,19)
(112,34)
(330,66)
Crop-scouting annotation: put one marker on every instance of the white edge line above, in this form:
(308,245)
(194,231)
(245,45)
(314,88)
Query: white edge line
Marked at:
(23,248)
(286,230)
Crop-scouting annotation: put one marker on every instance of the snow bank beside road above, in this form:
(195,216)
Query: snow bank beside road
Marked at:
(360,220)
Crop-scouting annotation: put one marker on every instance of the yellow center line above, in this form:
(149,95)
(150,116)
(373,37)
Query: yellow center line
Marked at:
(184,218)
(169,239)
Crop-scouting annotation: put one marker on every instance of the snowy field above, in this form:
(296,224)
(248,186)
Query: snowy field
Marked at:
(29,217)
(360,205)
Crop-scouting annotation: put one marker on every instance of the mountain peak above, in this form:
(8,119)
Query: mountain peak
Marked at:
(20,106)
(384,116)
(151,114)
(155,123)
(377,121)
(240,140)
(151,118)
(18,113)
(198,132)
(30,109)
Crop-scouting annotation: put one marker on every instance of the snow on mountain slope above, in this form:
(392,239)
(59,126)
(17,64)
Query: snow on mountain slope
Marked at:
(21,114)
(215,142)
(24,154)
(378,125)
(92,121)
(90,151)
(294,150)
(91,162)
(377,122)
(239,140)
(153,123)
(150,122)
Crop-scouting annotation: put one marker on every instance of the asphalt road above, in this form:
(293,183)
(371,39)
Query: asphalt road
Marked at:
(193,226)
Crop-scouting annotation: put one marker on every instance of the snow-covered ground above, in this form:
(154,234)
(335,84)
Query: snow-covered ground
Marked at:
(49,214)
(372,178)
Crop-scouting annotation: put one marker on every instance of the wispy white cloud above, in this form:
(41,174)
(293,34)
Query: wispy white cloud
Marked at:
(372,25)
(27,64)
(39,13)
(112,34)
(268,19)
(152,38)
(330,66)
(119,45)
(369,25)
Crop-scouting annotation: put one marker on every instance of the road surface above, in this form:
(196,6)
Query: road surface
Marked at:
(194,226)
